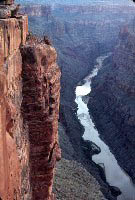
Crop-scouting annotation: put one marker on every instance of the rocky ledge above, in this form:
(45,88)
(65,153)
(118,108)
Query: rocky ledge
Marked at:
(72,181)
(8,9)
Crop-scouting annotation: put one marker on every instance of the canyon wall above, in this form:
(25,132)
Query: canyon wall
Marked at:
(37,10)
(112,101)
(14,147)
(29,107)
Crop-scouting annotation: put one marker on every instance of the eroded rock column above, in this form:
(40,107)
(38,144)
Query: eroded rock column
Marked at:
(41,93)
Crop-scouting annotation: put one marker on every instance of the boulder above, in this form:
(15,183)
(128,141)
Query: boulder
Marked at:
(115,191)
(90,147)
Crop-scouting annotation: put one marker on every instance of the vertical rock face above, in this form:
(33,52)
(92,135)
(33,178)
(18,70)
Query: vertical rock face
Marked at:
(29,107)
(14,145)
(41,85)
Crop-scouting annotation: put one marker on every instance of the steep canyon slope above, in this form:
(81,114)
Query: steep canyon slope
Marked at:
(112,101)
(80,34)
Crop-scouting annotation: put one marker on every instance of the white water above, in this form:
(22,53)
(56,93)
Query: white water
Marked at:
(114,174)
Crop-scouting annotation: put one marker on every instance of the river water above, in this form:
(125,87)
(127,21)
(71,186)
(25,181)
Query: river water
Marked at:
(115,175)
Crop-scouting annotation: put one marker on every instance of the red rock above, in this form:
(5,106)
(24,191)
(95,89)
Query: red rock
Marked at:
(43,126)
(29,110)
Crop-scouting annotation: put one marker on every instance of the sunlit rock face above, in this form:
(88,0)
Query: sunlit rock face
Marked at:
(13,144)
(29,107)
(112,101)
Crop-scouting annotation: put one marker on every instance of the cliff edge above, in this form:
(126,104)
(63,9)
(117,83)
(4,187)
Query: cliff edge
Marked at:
(29,107)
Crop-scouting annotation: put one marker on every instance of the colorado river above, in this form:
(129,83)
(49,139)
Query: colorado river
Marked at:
(115,176)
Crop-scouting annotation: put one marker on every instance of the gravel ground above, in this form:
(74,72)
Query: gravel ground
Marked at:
(72,181)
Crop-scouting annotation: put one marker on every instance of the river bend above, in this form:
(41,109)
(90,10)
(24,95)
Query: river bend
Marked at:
(115,176)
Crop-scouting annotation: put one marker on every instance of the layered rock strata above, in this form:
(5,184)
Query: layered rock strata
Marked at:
(14,144)
(29,106)
(37,10)
(41,85)
(112,101)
